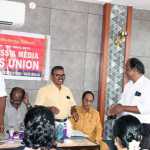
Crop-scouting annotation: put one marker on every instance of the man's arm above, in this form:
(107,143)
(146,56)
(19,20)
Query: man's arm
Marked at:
(118,108)
(132,109)
(2,111)
(73,110)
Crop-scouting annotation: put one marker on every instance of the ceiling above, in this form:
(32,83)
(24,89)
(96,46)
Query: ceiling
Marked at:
(137,4)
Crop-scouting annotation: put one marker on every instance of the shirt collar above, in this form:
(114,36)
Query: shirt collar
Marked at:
(140,80)
(10,105)
(82,109)
(54,86)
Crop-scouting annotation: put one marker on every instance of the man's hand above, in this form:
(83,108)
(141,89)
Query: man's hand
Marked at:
(74,113)
(26,99)
(54,109)
(115,109)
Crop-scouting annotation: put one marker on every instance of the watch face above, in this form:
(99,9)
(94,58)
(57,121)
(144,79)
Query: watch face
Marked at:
(29,105)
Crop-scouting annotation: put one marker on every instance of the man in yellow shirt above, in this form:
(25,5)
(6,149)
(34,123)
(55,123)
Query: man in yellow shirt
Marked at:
(56,96)
(89,120)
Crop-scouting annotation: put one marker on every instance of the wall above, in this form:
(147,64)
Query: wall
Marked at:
(75,29)
(140,45)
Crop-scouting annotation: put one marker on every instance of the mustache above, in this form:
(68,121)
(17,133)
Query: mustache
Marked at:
(15,101)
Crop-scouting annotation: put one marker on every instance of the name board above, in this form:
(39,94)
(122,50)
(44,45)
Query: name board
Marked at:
(24,55)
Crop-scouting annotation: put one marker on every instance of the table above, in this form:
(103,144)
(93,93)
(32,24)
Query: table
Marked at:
(78,144)
(68,144)
(10,145)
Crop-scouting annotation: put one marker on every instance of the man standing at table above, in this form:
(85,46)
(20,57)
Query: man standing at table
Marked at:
(3,95)
(135,99)
(56,96)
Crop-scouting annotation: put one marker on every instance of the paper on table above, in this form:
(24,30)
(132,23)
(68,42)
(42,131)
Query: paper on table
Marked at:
(78,133)
(3,141)
(2,136)
(9,144)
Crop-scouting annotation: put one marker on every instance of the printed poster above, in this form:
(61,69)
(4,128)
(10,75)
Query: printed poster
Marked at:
(24,55)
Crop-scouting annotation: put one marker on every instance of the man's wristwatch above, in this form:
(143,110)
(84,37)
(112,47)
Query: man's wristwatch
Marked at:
(28,105)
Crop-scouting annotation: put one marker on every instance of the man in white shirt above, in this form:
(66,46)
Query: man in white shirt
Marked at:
(3,95)
(135,99)
(16,108)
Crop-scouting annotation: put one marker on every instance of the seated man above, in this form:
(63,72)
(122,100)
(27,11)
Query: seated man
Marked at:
(16,109)
(89,120)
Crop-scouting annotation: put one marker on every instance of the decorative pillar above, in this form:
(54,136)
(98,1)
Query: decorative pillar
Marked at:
(116,33)
(104,60)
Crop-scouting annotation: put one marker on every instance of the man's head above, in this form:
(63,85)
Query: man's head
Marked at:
(39,128)
(134,67)
(87,100)
(16,96)
(58,75)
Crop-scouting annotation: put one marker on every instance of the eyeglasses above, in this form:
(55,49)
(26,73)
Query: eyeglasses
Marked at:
(60,75)
(89,101)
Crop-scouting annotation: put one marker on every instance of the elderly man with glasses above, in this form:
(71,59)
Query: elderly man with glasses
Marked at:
(57,97)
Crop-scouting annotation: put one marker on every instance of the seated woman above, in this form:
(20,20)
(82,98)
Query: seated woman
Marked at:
(89,120)
(126,133)
(39,129)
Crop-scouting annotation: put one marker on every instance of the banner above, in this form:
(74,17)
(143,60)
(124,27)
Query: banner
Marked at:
(23,55)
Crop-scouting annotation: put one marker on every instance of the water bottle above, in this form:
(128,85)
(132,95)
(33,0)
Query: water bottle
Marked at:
(65,131)
(21,132)
(11,132)
(69,129)
(59,132)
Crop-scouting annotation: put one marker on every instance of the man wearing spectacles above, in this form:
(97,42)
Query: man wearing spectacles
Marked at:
(16,108)
(57,97)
